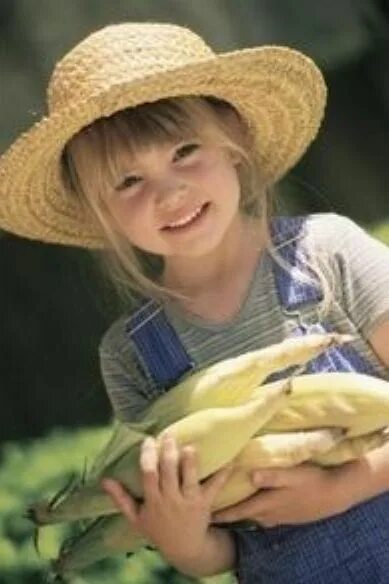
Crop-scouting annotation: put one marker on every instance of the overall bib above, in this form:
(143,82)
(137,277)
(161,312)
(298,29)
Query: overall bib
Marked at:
(349,548)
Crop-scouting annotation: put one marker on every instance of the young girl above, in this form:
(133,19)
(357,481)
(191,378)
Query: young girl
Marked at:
(163,153)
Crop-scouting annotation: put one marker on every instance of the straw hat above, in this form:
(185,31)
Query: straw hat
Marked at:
(279,91)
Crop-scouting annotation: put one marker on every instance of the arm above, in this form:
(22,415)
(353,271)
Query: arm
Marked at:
(175,513)
(379,341)
(182,533)
(126,389)
(365,477)
(306,492)
(216,556)
(363,274)
(174,518)
(369,476)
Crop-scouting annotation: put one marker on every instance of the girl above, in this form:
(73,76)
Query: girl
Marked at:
(163,153)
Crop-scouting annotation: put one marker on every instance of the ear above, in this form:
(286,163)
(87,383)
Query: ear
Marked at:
(239,133)
(234,157)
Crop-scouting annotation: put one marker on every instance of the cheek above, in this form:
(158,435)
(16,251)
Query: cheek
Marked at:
(131,217)
(228,183)
(219,175)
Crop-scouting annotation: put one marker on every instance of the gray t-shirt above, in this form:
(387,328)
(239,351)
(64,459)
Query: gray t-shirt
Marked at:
(356,265)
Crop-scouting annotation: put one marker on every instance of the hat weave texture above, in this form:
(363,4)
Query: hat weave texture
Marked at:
(279,92)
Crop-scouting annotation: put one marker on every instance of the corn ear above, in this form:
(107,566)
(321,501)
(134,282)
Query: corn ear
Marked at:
(112,534)
(85,498)
(357,402)
(123,437)
(287,448)
(232,381)
(218,434)
(351,448)
(225,384)
(273,450)
(102,538)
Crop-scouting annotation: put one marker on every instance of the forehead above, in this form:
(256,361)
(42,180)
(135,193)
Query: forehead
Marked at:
(145,153)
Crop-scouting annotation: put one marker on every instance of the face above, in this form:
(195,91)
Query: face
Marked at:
(177,199)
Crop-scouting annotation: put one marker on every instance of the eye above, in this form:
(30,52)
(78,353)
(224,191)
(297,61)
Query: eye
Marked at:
(128,182)
(185,150)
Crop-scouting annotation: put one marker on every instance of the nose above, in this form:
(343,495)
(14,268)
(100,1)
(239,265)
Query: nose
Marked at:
(170,193)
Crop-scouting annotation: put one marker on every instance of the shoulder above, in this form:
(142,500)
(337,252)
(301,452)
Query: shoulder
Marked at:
(332,243)
(327,233)
(344,240)
(329,230)
(115,339)
(320,226)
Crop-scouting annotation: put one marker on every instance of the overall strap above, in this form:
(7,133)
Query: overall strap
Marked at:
(295,293)
(158,346)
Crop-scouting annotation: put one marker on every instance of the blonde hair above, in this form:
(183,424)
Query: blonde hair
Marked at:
(92,162)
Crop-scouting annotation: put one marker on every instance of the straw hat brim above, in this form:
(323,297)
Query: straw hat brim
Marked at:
(279,91)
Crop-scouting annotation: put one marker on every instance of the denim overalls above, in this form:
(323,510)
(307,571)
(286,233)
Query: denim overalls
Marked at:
(350,548)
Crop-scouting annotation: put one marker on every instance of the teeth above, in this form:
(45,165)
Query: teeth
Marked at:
(186,219)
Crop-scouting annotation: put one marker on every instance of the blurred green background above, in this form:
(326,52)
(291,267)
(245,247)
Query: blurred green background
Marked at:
(55,305)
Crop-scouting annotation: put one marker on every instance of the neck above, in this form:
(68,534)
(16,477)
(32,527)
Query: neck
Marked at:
(191,276)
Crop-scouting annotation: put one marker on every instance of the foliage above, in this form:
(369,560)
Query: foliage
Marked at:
(29,472)
(381,231)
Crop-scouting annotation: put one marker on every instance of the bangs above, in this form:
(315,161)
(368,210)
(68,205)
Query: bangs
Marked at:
(107,146)
(99,154)
(136,129)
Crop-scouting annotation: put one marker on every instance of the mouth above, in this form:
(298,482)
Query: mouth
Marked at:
(189,221)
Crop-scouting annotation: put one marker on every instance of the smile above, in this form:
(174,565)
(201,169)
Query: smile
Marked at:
(187,219)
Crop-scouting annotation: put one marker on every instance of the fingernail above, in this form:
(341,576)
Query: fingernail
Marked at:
(168,438)
(148,442)
(107,482)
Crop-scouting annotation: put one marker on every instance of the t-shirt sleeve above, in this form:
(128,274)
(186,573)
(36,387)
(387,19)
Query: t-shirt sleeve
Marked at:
(363,262)
(123,385)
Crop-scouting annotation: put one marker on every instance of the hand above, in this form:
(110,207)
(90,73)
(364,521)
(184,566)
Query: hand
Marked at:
(300,494)
(176,510)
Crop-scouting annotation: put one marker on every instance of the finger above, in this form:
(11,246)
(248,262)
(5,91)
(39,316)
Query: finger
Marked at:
(270,478)
(247,509)
(123,501)
(216,482)
(148,462)
(169,465)
(189,470)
